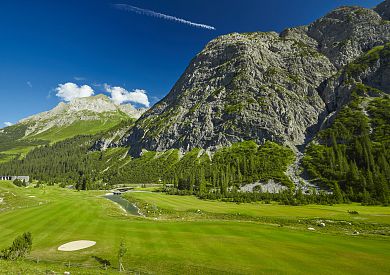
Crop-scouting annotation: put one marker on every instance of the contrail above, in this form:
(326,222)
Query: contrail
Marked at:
(126,7)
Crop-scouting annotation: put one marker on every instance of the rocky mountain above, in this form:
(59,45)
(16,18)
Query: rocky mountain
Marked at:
(371,72)
(352,149)
(345,33)
(263,86)
(96,108)
(307,108)
(81,116)
(383,9)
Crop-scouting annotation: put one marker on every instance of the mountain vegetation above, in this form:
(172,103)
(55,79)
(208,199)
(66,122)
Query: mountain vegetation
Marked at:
(71,162)
(83,116)
(20,248)
(353,153)
(304,109)
(231,167)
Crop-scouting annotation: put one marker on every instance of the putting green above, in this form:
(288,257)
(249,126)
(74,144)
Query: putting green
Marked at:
(185,247)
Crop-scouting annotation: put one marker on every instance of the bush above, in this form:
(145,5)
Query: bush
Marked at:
(20,248)
(20,183)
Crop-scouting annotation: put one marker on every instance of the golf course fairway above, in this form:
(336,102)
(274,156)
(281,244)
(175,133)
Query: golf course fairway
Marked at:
(56,216)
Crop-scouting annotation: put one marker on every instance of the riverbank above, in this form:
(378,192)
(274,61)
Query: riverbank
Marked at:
(125,205)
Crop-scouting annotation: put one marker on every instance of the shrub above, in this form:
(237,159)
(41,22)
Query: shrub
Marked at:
(20,248)
(20,183)
(353,212)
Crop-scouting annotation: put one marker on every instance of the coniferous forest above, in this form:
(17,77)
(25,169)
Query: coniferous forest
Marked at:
(354,153)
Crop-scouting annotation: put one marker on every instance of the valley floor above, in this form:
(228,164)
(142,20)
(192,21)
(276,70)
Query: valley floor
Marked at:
(183,235)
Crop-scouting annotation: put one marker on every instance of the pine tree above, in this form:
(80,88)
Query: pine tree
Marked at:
(337,193)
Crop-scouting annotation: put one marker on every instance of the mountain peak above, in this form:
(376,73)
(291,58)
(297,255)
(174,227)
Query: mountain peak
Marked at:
(95,97)
(99,107)
(98,104)
(259,86)
(346,32)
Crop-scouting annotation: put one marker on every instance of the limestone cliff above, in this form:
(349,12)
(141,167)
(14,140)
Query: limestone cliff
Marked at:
(94,108)
(260,86)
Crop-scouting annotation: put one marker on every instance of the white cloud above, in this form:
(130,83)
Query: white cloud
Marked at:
(120,95)
(7,124)
(70,91)
(151,13)
(29,84)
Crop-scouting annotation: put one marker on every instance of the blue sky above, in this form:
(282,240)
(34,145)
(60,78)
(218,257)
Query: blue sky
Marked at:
(90,42)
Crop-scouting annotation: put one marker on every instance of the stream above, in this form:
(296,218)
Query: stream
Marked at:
(129,207)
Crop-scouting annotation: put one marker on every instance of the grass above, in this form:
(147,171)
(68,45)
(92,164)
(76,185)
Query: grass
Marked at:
(183,247)
(13,143)
(16,152)
(88,127)
(32,268)
(16,198)
(375,214)
(19,152)
(5,157)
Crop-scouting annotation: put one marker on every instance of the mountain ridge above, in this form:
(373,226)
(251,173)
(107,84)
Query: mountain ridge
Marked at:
(81,116)
(97,107)
(259,86)
(307,108)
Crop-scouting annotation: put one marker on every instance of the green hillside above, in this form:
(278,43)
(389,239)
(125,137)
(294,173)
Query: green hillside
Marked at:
(73,162)
(15,144)
(87,127)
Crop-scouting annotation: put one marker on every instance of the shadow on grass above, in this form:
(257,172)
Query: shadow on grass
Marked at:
(103,262)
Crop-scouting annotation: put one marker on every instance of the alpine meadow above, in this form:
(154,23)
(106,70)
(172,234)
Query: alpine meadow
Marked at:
(269,155)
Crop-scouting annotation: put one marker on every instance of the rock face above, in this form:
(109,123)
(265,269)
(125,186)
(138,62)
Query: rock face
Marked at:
(368,74)
(91,108)
(271,187)
(113,138)
(345,33)
(383,10)
(259,86)
(241,86)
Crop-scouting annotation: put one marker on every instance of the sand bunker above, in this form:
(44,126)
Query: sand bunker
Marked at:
(76,245)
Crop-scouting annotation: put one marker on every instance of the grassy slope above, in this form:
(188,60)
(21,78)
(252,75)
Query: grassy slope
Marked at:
(339,212)
(16,198)
(14,144)
(33,268)
(78,128)
(185,246)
